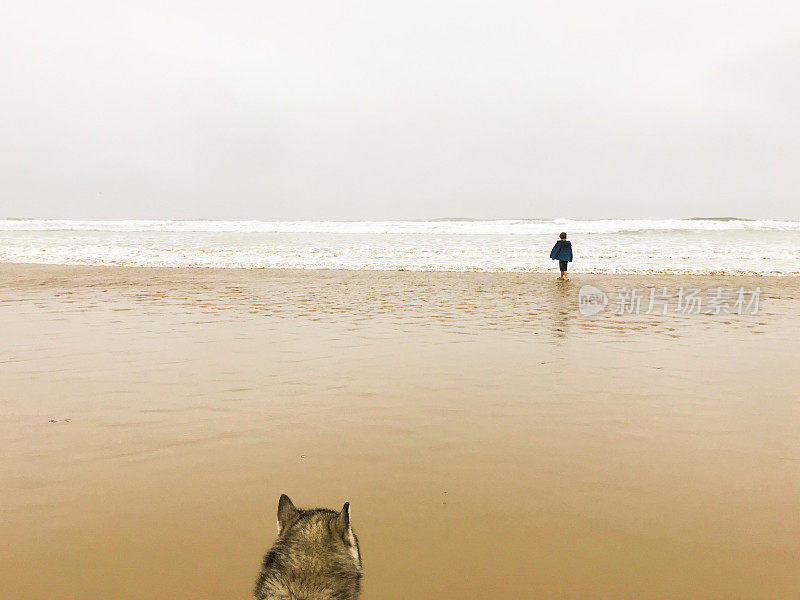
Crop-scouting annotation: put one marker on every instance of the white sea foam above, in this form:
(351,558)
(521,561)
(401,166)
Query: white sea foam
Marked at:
(666,246)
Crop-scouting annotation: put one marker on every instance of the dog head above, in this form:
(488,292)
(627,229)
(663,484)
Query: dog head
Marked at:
(316,556)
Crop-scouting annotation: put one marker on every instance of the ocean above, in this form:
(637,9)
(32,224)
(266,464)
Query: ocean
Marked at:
(724,246)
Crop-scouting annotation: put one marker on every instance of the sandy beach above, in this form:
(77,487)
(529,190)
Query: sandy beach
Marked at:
(492,441)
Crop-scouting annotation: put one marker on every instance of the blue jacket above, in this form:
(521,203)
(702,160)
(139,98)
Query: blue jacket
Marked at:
(562,251)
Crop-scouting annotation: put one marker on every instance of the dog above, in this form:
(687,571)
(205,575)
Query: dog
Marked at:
(316,556)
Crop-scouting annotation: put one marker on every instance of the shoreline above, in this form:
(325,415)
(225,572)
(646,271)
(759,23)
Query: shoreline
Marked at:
(201,268)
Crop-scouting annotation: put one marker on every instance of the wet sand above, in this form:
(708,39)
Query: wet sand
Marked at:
(493,443)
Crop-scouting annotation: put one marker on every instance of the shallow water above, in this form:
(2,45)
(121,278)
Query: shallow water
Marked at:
(492,442)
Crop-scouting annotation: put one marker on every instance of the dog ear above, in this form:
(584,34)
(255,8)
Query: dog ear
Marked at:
(287,513)
(341,523)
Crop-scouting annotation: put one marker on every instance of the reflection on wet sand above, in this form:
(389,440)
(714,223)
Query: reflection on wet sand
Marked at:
(562,308)
(491,441)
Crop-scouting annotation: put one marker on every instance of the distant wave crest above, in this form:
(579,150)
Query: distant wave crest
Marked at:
(434,227)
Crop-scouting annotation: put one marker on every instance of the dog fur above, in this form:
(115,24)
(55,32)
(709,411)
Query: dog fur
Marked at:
(316,556)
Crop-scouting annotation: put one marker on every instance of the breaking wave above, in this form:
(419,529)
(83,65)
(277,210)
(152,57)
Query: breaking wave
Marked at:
(724,246)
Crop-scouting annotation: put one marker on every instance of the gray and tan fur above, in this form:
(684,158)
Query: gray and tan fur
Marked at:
(316,556)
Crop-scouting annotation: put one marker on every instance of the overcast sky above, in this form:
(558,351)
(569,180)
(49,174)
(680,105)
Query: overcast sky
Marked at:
(399,110)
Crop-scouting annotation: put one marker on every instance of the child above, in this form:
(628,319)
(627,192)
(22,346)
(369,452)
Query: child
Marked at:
(562,252)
